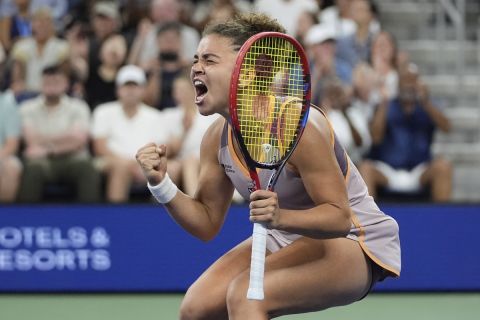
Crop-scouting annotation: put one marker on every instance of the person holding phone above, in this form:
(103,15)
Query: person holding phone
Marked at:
(167,66)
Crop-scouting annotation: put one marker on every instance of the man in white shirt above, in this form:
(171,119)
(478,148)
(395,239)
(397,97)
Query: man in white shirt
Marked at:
(120,128)
(55,131)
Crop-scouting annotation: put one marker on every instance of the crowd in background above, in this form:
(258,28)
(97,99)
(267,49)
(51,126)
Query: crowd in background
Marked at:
(84,84)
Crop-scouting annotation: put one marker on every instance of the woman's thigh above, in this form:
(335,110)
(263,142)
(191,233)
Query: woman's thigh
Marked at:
(206,297)
(311,275)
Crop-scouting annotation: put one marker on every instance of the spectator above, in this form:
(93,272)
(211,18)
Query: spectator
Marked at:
(144,49)
(17,25)
(166,67)
(100,86)
(402,132)
(321,46)
(384,60)
(55,130)
(39,51)
(286,12)
(356,48)
(184,145)
(347,120)
(10,166)
(120,128)
(87,51)
(105,22)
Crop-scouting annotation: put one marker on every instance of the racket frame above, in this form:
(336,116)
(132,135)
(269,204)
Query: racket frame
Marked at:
(235,123)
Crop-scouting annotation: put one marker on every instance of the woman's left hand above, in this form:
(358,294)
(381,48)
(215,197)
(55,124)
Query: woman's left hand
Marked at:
(264,208)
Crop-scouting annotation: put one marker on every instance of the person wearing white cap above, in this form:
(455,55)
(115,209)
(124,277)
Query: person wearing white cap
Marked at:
(119,128)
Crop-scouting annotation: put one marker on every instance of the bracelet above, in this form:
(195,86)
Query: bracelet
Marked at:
(165,191)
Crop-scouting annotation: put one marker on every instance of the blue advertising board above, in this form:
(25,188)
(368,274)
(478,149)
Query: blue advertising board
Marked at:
(103,248)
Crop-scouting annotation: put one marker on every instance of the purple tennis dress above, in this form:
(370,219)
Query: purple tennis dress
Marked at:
(376,232)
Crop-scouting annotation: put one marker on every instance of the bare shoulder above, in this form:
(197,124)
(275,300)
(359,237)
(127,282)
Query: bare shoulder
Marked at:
(316,141)
(318,131)
(318,124)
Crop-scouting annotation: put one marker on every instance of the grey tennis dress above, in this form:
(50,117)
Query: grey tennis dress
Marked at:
(376,232)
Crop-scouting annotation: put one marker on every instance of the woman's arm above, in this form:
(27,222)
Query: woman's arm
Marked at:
(315,161)
(204,214)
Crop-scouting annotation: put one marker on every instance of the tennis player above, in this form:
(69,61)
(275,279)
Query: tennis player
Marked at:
(328,243)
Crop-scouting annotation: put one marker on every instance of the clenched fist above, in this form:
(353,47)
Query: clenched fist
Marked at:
(153,160)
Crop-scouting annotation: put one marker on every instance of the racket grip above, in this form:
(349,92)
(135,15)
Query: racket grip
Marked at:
(257,264)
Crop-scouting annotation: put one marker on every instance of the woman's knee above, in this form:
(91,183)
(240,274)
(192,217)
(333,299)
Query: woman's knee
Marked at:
(191,309)
(197,306)
(237,302)
(237,290)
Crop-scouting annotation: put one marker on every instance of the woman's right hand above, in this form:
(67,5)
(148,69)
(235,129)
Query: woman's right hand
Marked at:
(153,161)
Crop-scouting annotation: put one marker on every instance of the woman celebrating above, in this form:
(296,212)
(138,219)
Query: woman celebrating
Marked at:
(328,242)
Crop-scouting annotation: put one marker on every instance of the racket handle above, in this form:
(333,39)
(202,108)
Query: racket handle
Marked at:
(257,264)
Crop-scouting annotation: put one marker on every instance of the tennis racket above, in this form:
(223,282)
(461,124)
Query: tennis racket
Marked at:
(269,105)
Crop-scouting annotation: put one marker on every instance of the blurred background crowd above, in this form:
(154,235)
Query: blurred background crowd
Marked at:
(84,84)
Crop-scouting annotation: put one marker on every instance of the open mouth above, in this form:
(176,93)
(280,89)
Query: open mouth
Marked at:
(200,91)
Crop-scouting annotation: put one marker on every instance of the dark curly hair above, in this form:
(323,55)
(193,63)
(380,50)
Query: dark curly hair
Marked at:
(243,26)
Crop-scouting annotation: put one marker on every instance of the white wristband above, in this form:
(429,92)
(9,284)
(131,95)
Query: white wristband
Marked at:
(165,191)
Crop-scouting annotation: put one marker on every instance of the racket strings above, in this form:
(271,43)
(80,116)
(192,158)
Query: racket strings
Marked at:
(269,98)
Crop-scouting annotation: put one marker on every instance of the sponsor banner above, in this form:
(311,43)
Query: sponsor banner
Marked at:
(139,248)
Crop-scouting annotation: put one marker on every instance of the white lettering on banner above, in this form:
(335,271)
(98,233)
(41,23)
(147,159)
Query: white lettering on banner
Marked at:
(48,248)
(10,237)
(48,260)
(100,238)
